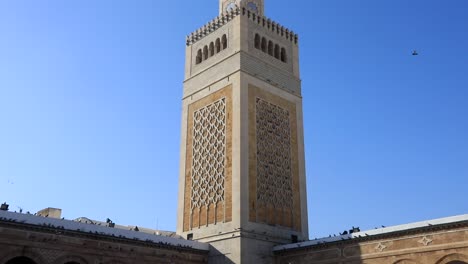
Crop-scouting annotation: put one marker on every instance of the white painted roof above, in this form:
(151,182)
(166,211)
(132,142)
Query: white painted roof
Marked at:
(98,229)
(374,232)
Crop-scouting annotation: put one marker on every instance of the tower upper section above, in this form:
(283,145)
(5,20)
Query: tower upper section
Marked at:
(242,39)
(254,6)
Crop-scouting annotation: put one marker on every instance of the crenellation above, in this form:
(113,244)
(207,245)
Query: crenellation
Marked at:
(211,26)
(224,18)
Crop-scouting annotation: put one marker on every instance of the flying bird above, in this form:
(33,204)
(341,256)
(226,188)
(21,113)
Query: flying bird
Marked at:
(415,53)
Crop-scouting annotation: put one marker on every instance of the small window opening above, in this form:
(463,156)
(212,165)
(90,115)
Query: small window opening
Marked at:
(270,48)
(264,44)
(218,45)
(190,236)
(283,55)
(205,52)
(224,41)
(257,41)
(277,51)
(212,49)
(199,57)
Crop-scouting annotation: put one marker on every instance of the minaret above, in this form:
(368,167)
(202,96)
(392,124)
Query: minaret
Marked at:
(255,6)
(242,170)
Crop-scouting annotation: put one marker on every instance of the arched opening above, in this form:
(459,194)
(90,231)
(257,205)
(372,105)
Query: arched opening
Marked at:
(21,260)
(257,41)
(271,47)
(224,41)
(283,55)
(455,258)
(264,44)
(199,57)
(277,51)
(205,52)
(218,45)
(212,49)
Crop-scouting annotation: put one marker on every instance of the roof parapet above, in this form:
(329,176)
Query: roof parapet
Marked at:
(271,25)
(224,18)
(212,26)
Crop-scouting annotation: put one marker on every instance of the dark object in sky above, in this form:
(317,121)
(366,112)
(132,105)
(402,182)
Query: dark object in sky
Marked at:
(415,53)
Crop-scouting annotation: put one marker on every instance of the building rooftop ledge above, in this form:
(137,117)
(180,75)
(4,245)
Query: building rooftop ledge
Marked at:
(87,228)
(375,233)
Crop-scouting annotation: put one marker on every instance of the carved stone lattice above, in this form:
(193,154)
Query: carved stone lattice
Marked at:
(209,155)
(274,178)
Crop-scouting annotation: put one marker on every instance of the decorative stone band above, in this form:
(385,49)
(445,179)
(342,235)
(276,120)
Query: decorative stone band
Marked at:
(223,19)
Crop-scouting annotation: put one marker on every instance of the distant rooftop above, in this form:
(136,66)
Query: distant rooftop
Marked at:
(376,232)
(100,228)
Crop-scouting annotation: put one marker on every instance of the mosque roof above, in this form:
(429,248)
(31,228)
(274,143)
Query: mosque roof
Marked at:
(100,229)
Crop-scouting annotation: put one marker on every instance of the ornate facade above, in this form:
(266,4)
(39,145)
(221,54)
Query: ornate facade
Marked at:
(242,170)
(242,193)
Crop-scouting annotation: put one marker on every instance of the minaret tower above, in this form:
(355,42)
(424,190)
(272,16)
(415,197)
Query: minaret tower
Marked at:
(242,171)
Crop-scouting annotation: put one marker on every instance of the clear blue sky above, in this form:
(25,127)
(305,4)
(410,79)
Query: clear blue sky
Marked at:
(90,107)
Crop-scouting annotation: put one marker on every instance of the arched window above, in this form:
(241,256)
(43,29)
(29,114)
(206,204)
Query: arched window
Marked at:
(271,47)
(205,52)
(218,45)
(212,50)
(264,44)
(283,55)
(224,41)
(277,51)
(257,41)
(21,260)
(199,57)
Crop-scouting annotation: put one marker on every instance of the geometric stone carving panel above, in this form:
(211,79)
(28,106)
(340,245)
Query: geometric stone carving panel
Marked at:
(208,155)
(274,188)
(208,161)
(274,179)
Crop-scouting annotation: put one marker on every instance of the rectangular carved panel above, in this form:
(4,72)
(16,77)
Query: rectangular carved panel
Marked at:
(273,161)
(208,184)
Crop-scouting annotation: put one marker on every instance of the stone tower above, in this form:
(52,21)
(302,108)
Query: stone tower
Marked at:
(242,172)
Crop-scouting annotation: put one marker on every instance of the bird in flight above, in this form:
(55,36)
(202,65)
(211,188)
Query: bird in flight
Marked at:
(415,53)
